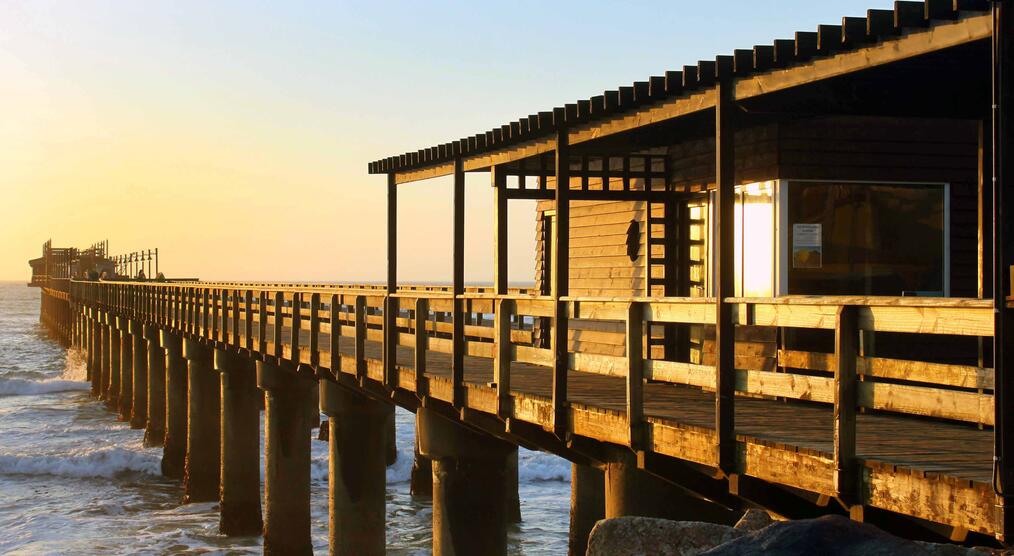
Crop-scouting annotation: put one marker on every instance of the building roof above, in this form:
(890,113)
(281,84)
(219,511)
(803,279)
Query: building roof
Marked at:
(852,34)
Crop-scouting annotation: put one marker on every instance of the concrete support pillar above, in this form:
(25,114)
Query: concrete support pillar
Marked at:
(154,429)
(421,480)
(512,510)
(95,352)
(201,471)
(469,486)
(357,476)
(126,395)
(102,354)
(113,386)
(174,448)
(287,460)
(139,350)
(631,491)
(240,499)
(587,505)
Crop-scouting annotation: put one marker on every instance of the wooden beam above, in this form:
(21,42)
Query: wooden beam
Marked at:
(1003,257)
(635,375)
(500,230)
(458,287)
(846,479)
(502,355)
(725,347)
(390,351)
(560,283)
(915,43)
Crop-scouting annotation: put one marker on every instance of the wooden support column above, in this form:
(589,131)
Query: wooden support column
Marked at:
(635,375)
(725,343)
(846,345)
(391,303)
(458,314)
(1003,257)
(560,283)
(500,230)
(504,310)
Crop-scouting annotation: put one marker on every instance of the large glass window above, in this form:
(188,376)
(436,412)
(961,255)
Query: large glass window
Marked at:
(869,239)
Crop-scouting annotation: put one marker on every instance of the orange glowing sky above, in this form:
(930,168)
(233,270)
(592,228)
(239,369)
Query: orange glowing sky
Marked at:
(234,136)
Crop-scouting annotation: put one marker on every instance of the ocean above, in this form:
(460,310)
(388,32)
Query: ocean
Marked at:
(74,480)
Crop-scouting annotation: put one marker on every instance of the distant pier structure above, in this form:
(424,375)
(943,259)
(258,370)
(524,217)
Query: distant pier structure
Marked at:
(778,279)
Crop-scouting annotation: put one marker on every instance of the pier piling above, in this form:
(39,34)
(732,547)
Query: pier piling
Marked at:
(357,476)
(469,486)
(174,448)
(201,470)
(240,421)
(113,386)
(154,430)
(287,460)
(126,395)
(139,382)
(587,505)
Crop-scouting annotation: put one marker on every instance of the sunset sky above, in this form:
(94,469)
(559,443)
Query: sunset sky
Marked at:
(235,136)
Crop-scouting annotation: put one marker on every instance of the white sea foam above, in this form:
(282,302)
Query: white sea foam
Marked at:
(102,462)
(540,466)
(21,387)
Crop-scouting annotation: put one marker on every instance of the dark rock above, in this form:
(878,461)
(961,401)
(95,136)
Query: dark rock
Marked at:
(830,534)
(631,536)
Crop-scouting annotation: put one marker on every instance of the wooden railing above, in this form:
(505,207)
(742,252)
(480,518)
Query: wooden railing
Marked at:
(310,324)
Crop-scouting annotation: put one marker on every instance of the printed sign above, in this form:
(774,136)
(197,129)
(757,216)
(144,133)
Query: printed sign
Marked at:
(807,247)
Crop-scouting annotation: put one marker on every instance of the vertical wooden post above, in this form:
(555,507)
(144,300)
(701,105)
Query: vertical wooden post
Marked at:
(500,231)
(248,319)
(262,323)
(561,283)
(1003,257)
(235,318)
(422,310)
(390,302)
(846,341)
(314,330)
(725,343)
(635,375)
(458,316)
(504,310)
(334,318)
(361,339)
(296,328)
(279,324)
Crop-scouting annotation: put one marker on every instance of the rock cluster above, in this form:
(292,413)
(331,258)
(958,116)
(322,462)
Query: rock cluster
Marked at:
(755,534)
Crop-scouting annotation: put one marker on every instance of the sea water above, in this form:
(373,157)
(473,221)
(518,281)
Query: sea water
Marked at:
(74,480)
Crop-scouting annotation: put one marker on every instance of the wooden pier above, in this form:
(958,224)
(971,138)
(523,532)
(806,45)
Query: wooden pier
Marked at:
(916,438)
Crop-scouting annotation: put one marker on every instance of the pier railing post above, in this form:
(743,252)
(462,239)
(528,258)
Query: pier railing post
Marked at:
(504,310)
(560,272)
(725,342)
(635,375)
(422,312)
(846,343)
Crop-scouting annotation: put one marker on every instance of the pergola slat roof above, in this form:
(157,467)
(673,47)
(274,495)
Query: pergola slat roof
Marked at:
(806,48)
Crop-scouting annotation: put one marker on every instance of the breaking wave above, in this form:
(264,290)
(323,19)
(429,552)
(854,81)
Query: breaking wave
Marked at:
(21,387)
(102,462)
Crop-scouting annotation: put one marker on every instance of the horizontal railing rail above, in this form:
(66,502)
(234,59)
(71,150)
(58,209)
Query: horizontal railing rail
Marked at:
(410,340)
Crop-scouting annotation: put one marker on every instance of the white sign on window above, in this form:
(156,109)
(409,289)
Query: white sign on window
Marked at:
(807,246)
